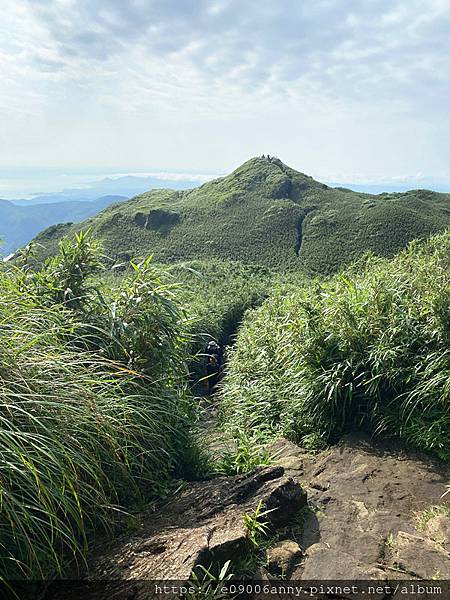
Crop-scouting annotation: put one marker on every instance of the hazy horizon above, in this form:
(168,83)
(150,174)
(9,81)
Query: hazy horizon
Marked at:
(30,183)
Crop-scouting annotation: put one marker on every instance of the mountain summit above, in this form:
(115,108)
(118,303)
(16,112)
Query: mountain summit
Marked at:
(266,213)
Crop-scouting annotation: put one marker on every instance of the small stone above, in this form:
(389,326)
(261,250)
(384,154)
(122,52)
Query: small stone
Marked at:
(284,557)
(438,529)
(261,574)
(325,498)
(318,485)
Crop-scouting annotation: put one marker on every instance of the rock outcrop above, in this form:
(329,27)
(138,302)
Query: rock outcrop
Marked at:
(374,512)
(157,219)
(204,524)
(366,499)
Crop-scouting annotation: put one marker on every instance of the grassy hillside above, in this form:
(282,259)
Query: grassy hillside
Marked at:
(268,214)
(20,224)
(368,349)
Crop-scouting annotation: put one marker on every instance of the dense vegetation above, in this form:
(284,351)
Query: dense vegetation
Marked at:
(98,365)
(216,294)
(267,214)
(369,348)
(93,406)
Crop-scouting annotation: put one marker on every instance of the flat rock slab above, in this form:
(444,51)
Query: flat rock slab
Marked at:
(290,456)
(204,524)
(363,494)
(420,557)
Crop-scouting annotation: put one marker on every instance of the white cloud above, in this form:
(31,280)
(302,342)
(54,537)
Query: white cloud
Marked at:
(164,175)
(200,84)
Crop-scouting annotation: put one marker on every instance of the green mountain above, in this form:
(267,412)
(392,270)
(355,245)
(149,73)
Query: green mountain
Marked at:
(266,213)
(20,223)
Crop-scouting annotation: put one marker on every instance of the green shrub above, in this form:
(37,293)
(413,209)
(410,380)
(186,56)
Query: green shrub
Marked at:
(92,417)
(137,320)
(367,349)
(249,454)
(255,526)
(218,294)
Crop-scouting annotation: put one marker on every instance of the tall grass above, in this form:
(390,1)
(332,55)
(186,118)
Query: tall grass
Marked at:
(89,422)
(367,349)
(218,294)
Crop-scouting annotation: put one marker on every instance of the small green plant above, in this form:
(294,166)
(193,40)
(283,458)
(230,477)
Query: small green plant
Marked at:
(314,441)
(249,454)
(429,513)
(207,586)
(391,542)
(133,523)
(436,575)
(255,526)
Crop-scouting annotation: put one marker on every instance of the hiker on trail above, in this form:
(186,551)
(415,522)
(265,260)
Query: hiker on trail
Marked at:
(213,356)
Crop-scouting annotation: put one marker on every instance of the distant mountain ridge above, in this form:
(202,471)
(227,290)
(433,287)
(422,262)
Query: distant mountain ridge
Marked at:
(20,224)
(264,213)
(125,185)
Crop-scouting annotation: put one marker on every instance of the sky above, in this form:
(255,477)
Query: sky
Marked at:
(344,90)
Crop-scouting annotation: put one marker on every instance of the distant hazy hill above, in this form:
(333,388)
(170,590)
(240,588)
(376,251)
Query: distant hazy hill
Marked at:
(19,224)
(125,186)
(267,213)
